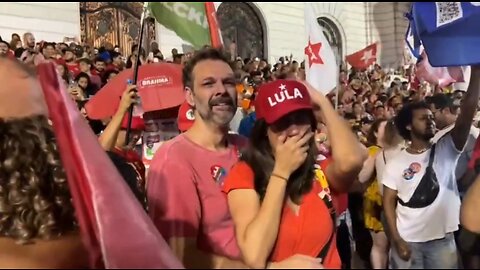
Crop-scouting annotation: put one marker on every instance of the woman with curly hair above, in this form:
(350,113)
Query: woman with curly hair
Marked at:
(38,228)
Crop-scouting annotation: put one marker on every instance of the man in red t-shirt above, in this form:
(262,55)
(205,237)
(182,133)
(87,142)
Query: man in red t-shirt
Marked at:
(99,67)
(71,61)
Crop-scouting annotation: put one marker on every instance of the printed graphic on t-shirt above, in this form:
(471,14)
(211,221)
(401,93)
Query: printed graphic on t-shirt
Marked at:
(218,174)
(415,167)
(410,172)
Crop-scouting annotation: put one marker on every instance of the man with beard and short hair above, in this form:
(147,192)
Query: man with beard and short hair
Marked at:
(185,177)
(99,67)
(194,164)
(29,41)
(445,110)
(422,206)
(71,61)
(117,62)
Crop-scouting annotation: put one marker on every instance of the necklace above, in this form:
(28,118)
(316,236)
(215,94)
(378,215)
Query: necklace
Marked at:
(418,151)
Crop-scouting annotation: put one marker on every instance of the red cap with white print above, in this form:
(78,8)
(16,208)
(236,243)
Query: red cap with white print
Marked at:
(186,117)
(279,98)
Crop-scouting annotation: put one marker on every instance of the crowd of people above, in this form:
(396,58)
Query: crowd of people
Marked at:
(266,172)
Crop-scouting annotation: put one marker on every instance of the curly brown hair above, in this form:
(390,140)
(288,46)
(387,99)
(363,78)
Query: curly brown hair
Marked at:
(35,200)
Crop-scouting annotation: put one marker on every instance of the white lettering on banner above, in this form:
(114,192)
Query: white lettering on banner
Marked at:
(475,3)
(189,13)
(166,5)
(180,9)
(195,16)
(284,95)
(154,81)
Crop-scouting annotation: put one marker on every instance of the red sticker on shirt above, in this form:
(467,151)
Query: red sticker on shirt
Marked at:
(415,167)
(218,174)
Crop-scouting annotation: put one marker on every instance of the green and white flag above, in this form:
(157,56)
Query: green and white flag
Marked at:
(187,19)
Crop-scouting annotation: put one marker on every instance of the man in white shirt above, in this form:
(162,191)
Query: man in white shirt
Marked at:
(445,110)
(422,235)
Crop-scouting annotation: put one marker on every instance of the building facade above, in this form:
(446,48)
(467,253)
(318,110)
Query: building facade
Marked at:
(249,29)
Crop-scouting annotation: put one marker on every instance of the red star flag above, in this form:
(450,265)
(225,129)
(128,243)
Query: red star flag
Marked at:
(363,58)
(320,64)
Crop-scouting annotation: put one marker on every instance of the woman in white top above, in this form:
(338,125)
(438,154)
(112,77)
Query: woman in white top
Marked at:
(392,144)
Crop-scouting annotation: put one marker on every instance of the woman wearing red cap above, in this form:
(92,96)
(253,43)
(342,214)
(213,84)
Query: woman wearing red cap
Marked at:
(279,199)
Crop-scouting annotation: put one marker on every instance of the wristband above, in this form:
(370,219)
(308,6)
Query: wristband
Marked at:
(279,176)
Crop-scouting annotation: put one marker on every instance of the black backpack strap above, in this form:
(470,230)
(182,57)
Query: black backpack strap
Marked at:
(432,156)
(333,216)
(429,167)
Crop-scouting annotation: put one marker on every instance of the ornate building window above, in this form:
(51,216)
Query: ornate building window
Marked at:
(116,23)
(243,29)
(332,33)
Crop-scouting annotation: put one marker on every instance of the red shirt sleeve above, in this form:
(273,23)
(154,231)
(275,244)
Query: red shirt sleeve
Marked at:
(173,201)
(240,177)
(475,155)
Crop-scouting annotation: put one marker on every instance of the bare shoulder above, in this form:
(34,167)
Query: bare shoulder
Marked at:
(65,252)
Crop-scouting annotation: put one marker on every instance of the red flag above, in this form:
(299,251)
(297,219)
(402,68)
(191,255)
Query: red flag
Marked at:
(442,76)
(363,58)
(115,229)
(215,33)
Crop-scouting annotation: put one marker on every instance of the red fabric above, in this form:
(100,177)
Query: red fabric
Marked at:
(363,58)
(99,74)
(60,61)
(137,123)
(475,155)
(96,81)
(184,194)
(113,67)
(11,54)
(159,85)
(442,76)
(116,231)
(74,69)
(134,159)
(279,98)
(215,35)
(185,117)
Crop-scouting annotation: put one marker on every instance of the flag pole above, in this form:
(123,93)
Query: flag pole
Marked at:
(135,71)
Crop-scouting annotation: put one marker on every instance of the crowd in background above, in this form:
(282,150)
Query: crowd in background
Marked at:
(370,100)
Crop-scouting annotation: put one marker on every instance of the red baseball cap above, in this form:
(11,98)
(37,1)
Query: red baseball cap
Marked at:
(137,123)
(185,117)
(279,98)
